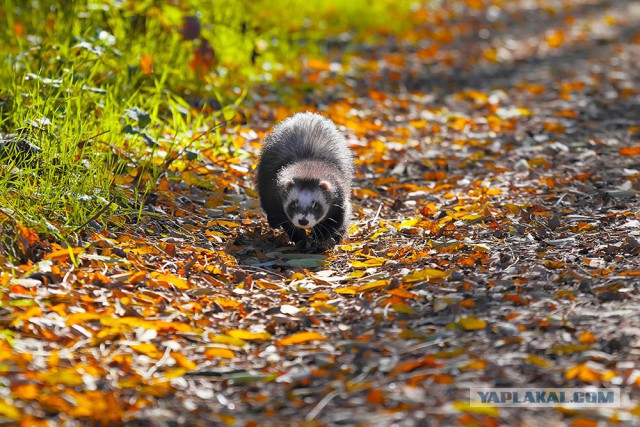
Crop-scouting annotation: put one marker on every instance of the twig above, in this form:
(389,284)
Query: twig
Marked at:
(320,406)
(375,217)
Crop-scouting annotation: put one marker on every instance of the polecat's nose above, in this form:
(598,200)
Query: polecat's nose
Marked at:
(303,221)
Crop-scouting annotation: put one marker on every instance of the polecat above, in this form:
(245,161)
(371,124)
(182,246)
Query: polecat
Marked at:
(304,178)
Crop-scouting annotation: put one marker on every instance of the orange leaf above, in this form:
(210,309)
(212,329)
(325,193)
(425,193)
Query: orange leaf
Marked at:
(228,303)
(63,254)
(170,279)
(629,273)
(318,64)
(301,337)
(18,29)
(555,38)
(223,353)
(31,312)
(75,318)
(403,293)
(475,4)
(630,151)
(584,422)
(409,366)
(442,379)
(137,277)
(146,64)
(586,373)
(28,391)
(587,337)
(375,397)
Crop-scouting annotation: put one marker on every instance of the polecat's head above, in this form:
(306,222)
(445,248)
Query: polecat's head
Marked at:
(307,202)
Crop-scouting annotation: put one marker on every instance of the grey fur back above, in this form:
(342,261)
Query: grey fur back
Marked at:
(306,136)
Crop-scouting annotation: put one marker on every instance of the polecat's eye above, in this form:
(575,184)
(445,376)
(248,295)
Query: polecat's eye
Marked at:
(316,207)
(294,205)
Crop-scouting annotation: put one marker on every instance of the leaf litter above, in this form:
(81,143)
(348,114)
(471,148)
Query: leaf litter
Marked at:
(495,243)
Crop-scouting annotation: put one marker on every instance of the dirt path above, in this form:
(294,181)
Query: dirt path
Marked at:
(495,244)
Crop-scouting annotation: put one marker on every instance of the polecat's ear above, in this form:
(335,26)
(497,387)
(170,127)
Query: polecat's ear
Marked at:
(288,185)
(325,185)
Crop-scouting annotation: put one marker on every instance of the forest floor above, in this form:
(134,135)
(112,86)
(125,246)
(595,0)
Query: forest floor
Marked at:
(495,243)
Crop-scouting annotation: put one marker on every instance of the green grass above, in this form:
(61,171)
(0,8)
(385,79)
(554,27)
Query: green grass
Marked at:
(78,110)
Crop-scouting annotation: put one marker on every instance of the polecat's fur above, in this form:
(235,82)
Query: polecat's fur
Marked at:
(304,178)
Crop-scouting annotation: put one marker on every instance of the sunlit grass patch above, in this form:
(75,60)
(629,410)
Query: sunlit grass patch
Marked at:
(94,91)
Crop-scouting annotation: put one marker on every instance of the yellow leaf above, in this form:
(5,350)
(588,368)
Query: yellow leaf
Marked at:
(403,308)
(29,313)
(349,290)
(301,337)
(376,284)
(172,373)
(183,361)
(222,223)
(471,217)
(450,354)
(9,411)
(475,365)
(476,408)
(490,55)
(472,323)
(323,307)
(371,262)
(408,223)
(137,322)
(228,419)
(69,377)
(568,348)
(170,279)
(249,336)
(418,124)
(228,340)
(425,274)
(75,318)
(148,349)
(538,361)
(512,208)
(223,353)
